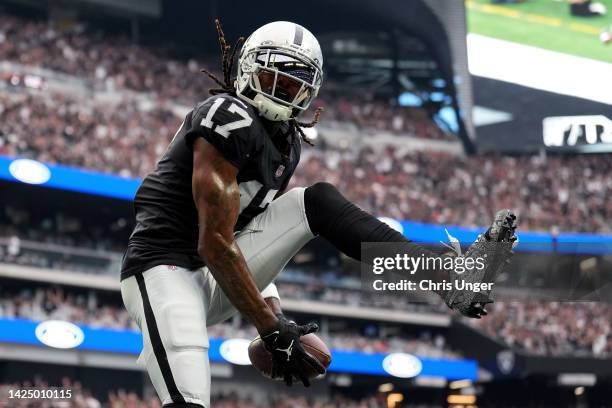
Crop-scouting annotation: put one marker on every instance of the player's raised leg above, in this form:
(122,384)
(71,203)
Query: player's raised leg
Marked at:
(346,226)
(274,236)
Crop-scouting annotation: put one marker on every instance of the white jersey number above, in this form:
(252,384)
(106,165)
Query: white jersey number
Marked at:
(224,130)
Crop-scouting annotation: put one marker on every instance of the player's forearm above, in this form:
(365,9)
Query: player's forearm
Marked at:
(274,305)
(231,272)
(217,198)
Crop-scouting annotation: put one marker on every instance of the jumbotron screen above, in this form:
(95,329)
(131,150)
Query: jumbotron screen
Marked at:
(551,61)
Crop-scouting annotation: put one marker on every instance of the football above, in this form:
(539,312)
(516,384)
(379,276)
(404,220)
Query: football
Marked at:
(262,359)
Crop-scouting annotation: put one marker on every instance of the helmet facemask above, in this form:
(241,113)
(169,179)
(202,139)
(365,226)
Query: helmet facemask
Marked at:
(281,83)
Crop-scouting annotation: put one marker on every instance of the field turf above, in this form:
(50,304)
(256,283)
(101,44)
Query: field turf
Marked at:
(544,24)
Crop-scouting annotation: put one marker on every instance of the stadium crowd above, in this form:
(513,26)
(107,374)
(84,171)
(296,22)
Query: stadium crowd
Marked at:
(112,63)
(541,328)
(15,253)
(568,193)
(556,192)
(559,192)
(537,327)
(55,303)
(370,115)
(352,297)
(107,61)
(552,328)
(58,304)
(59,129)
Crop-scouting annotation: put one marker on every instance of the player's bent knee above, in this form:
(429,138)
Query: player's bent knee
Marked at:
(322,196)
(322,202)
(321,189)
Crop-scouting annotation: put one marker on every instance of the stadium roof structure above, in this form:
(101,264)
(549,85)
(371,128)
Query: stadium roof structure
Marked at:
(385,46)
(415,49)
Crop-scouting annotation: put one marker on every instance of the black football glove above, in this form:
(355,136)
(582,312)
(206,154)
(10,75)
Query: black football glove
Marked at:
(289,359)
(495,245)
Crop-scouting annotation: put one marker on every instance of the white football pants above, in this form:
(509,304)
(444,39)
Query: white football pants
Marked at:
(172,305)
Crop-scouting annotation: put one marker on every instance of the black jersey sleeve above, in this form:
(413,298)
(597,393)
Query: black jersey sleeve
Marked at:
(226,123)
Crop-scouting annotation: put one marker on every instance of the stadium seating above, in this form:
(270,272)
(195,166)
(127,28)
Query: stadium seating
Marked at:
(126,137)
(59,303)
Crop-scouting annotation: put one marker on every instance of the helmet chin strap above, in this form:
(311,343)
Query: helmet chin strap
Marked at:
(272,110)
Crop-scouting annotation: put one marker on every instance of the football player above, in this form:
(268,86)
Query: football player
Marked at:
(215,224)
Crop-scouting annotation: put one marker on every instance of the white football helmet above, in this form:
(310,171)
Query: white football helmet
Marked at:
(280,70)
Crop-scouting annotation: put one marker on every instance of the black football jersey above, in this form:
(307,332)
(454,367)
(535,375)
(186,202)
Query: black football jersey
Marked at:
(166,229)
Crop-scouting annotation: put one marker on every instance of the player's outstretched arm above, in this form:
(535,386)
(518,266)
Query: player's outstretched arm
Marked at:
(217,198)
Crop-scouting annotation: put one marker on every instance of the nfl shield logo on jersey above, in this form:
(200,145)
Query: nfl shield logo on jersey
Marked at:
(279,171)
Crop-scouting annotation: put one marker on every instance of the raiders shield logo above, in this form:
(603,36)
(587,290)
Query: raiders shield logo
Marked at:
(279,171)
(505,361)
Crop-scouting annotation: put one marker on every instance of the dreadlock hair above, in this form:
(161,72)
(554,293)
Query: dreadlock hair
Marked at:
(228,56)
(299,125)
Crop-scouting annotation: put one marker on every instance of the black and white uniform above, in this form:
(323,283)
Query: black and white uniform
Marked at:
(165,285)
